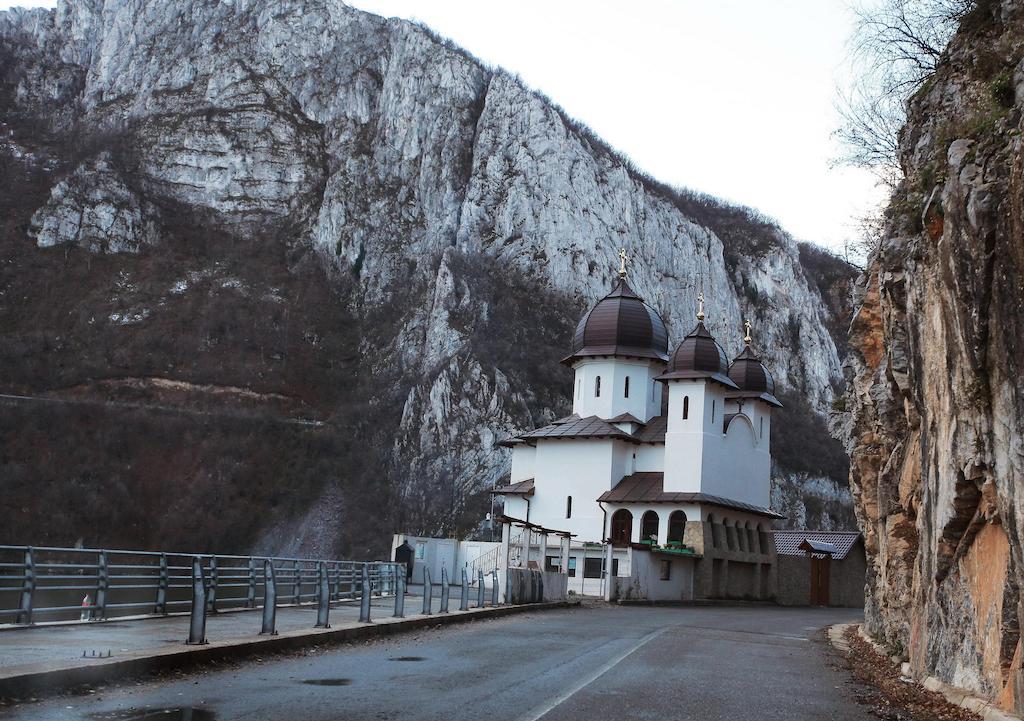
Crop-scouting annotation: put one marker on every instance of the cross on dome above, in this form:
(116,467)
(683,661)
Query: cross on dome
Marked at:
(746,325)
(622,262)
(700,307)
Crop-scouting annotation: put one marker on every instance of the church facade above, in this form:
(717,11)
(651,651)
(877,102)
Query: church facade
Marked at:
(665,459)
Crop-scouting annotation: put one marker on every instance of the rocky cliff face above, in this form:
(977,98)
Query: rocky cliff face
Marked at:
(434,230)
(936,363)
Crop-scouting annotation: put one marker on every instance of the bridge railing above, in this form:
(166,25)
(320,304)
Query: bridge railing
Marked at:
(39,584)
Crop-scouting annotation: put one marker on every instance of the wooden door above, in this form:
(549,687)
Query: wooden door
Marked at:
(819,581)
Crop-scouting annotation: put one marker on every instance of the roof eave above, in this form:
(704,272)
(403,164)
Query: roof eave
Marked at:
(719,378)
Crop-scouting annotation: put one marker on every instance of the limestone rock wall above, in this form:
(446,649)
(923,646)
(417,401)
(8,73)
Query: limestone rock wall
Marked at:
(937,456)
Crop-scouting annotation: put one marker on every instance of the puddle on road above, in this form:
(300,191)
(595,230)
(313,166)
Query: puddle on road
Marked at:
(188,713)
(327,681)
(407,658)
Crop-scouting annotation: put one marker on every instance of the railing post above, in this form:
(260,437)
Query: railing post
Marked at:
(480,589)
(197,622)
(494,587)
(102,584)
(28,588)
(399,597)
(444,590)
(323,597)
(211,596)
(296,583)
(250,594)
(336,582)
(464,600)
(428,591)
(364,599)
(269,599)
(161,589)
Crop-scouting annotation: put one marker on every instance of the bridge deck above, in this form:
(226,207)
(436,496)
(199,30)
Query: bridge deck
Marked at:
(63,643)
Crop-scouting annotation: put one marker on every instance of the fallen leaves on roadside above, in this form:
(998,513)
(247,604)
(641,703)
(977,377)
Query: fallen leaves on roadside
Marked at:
(887,692)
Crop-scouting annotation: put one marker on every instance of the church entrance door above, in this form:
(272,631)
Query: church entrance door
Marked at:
(819,580)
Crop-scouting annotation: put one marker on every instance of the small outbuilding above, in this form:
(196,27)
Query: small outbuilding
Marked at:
(819,568)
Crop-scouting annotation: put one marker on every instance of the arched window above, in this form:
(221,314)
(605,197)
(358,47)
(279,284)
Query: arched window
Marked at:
(649,527)
(622,527)
(676,526)
(730,534)
(626,392)
(714,530)
(568,506)
(597,387)
(686,407)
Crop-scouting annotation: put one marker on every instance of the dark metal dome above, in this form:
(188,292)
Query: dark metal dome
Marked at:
(620,324)
(753,379)
(699,356)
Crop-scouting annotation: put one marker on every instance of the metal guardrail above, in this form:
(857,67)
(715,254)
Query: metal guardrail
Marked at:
(57,584)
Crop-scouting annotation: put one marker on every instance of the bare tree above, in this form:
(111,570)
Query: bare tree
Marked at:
(894,48)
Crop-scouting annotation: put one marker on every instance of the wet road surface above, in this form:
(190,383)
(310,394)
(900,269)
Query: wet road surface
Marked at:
(598,662)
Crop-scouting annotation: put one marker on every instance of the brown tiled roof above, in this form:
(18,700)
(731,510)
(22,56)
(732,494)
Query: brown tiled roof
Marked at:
(589,427)
(654,431)
(649,487)
(787,543)
(593,427)
(522,488)
(626,418)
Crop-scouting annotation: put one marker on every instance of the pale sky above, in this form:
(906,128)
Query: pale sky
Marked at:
(732,97)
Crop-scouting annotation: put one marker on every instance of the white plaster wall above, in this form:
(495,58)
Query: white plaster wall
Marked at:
(517,507)
(523,457)
(736,467)
(686,440)
(650,458)
(645,582)
(644,399)
(622,461)
(580,468)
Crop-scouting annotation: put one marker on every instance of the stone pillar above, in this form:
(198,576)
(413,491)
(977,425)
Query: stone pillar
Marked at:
(663,527)
(543,550)
(524,558)
(565,543)
(506,536)
(609,579)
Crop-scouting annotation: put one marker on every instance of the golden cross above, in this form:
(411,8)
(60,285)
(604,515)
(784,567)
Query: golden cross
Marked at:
(746,325)
(622,262)
(700,309)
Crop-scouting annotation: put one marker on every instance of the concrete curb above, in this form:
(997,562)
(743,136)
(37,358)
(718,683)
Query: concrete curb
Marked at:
(699,603)
(22,681)
(954,695)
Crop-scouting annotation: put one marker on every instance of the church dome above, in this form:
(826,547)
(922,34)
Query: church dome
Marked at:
(750,374)
(620,324)
(699,356)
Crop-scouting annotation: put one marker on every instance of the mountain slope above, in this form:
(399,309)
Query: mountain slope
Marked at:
(310,202)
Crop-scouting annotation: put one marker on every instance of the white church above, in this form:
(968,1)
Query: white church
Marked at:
(665,460)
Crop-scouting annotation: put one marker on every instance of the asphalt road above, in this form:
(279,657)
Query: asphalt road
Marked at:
(592,663)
